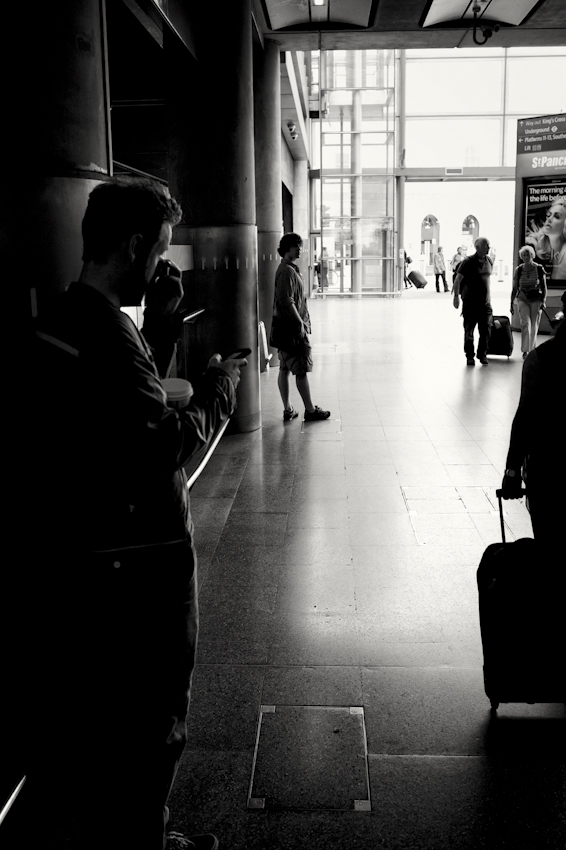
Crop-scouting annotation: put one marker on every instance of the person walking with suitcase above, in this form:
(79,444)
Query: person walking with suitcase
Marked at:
(520,582)
(529,293)
(473,283)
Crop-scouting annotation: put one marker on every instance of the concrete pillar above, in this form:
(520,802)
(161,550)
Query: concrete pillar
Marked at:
(56,144)
(212,174)
(267,137)
(301,214)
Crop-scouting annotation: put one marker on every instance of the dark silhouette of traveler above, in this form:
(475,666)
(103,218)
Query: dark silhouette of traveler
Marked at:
(540,422)
(473,283)
(290,327)
(114,615)
(440,270)
(529,290)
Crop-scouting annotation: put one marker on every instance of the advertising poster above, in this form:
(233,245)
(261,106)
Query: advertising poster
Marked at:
(545,226)
(540,200)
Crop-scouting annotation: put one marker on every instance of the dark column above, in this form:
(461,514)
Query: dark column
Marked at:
(267,131)
(212,176)
(58,140)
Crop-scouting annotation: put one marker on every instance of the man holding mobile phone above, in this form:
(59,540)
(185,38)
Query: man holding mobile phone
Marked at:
(110,580)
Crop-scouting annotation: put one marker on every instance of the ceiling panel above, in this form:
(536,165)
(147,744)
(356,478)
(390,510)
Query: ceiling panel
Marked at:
(287,13)
(350,11)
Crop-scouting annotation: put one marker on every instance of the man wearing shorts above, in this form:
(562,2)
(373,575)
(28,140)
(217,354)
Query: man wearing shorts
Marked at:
(290,326)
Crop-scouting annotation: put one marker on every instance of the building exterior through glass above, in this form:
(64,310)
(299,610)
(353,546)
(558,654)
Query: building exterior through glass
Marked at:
(451,110)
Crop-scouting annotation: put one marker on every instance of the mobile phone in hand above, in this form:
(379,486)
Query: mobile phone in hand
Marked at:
(166,268)
(239,354)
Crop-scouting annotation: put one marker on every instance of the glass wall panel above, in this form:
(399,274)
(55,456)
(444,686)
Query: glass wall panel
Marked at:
(315,144)
(536,51)
(340,98)
(454,87)
(357,142)
(339,123)
(510,153)
(336,157)
(376,238)
(453,142)
(377,196)
(536,85)
(336,197)
(315,203)
(374,157)
(376,275)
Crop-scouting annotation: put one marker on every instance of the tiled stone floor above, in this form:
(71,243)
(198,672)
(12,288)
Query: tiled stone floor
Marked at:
(337,566)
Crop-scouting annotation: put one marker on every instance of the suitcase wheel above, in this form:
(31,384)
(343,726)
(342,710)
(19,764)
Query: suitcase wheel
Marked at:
(494,705)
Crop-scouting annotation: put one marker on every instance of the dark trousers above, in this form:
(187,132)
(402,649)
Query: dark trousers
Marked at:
(442,275)
(480,316)
(98,700)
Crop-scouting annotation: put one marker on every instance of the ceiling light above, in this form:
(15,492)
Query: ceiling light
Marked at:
(318,2)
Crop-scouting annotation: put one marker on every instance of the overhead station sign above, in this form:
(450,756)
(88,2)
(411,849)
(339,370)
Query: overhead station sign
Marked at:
(542,139)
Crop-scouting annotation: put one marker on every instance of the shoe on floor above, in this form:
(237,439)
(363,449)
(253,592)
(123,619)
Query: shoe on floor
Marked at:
(470,361)
(290,414)
(484,361)
(178,841)
(316,415)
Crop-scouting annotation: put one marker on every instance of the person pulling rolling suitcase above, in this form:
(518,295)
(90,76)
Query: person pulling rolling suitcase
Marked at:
(521,607)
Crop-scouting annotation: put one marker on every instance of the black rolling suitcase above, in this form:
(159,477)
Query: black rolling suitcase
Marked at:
(501,337)
(417,279)
(521,606)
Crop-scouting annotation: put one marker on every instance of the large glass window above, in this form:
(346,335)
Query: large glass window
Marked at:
(461,110)
(453,142)
(452,87)
(484,82)
(536,84)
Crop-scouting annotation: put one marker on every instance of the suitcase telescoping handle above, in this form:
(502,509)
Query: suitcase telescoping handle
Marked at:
(499,494)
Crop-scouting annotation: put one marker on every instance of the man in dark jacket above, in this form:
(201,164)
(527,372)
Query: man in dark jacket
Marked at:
(473,283)
(113,616)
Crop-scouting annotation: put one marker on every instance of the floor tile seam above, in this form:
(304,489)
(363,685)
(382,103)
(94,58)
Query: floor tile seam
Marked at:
(428,756)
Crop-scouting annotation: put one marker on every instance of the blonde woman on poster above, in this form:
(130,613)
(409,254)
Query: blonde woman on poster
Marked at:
(549,240)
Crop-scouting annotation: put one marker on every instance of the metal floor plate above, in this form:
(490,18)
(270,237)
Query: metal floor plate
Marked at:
(310,757)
